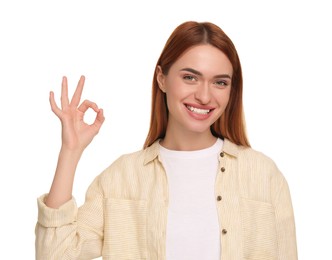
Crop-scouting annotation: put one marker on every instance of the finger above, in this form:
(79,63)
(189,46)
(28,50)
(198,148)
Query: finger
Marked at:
(86,105)
(64,93)
(56,110)
(99,119)
(78,92)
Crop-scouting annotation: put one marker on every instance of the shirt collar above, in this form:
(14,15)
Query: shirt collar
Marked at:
(230,148)
(152,152)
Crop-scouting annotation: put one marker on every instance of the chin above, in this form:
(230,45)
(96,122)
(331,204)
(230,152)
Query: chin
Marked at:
(199,129)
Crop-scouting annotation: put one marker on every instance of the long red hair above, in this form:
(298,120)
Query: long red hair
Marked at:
(231,124)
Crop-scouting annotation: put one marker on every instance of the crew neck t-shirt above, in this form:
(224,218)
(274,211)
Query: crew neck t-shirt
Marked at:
(192,222)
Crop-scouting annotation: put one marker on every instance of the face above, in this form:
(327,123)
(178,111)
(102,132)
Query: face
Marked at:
(197,88)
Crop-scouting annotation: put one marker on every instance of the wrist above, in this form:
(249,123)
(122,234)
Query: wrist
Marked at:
(70,153)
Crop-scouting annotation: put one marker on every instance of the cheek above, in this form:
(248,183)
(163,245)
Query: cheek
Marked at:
(226,100)
(175,89)
(223,99)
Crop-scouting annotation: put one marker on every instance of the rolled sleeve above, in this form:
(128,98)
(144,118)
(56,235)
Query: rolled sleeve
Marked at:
(51,218)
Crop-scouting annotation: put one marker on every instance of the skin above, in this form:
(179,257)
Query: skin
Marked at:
(201,78)
(76,136)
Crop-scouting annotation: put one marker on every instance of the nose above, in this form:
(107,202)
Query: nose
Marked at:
(202,93)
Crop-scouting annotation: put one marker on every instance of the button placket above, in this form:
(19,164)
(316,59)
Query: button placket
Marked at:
(222,170)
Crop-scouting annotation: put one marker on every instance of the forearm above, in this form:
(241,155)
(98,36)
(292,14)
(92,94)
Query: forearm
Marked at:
(62,185)
(58,232)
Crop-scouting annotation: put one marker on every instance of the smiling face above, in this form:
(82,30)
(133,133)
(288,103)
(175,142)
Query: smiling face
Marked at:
(197,88)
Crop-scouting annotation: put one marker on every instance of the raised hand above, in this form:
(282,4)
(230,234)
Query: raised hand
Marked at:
(76,134)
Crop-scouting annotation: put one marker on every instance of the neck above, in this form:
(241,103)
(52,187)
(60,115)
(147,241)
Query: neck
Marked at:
(188,141)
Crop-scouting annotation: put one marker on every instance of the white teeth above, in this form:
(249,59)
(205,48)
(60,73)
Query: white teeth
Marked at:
(198,110)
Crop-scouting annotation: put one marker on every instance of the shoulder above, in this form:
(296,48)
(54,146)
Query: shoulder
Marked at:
(255,157)
(133,161)
(259,176)
(127,171)
(251,160)
(124,161)
(245,153)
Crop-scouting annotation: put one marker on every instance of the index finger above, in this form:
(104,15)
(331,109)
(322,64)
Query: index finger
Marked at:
(78,92)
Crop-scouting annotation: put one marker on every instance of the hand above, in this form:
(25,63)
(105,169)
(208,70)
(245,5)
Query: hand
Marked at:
(76,134)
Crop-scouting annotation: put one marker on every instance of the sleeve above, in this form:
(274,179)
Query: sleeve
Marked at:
(70,232)
(285,224)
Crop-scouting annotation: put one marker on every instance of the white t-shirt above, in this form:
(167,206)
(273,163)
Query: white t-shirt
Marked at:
(192,227)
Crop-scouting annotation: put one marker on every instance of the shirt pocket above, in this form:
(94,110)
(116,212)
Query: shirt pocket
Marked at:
(259,230)
(125,229)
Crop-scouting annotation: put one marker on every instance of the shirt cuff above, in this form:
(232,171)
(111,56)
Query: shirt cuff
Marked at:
(50,217)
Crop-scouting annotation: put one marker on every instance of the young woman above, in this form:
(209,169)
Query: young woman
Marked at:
(196,191)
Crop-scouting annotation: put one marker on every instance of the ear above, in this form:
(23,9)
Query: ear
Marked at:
(160,79)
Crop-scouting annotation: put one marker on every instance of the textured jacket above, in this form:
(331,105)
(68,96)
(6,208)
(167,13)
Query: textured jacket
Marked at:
(125,212)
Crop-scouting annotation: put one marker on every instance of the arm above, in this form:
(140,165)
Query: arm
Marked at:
(76,136)
(63,231)
(285,224)
(70,232)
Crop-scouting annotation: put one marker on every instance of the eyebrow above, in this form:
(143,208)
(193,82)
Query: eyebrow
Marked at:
(196,72)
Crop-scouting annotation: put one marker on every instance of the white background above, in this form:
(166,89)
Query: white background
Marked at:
(285,50)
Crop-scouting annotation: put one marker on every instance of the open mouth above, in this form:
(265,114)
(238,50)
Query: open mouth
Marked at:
(199,111)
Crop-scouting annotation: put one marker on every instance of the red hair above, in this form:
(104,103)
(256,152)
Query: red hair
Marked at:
(231,124)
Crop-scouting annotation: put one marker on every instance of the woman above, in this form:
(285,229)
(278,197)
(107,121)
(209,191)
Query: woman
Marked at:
(196,191)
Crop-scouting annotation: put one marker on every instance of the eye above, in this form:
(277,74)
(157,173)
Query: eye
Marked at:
(222,83)
(189,78)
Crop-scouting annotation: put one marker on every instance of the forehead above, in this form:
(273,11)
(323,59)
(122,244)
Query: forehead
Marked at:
(204,58)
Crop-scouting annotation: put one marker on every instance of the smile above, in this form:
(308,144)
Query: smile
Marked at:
(198,110)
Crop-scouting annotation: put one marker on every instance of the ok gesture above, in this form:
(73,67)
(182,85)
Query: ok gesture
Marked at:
(76,134)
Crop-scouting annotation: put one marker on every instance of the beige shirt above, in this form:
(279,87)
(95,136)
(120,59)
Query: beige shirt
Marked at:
(125,212)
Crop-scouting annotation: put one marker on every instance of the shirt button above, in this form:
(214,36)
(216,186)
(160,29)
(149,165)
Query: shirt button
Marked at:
(223,169)
(219,198)
(222,154)
(224,231)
